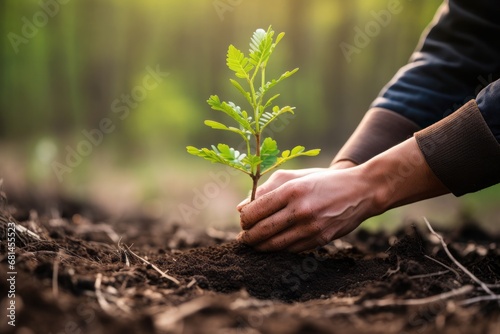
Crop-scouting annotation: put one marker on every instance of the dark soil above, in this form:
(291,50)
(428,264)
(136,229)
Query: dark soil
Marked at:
(80,277)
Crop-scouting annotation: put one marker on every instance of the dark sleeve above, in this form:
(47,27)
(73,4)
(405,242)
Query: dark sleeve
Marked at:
(458,56)
(456,59)
(458,63)
(488,101)
(461,150)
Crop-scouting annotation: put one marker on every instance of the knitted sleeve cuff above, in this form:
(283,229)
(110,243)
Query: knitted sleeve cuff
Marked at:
(462,151)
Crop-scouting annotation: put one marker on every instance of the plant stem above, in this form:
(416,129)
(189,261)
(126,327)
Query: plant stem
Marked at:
(254,187)
(256,176)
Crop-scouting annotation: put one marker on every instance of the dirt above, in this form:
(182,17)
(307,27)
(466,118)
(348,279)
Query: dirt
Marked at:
(86,275)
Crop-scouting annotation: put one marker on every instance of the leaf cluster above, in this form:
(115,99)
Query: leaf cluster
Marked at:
(250,72)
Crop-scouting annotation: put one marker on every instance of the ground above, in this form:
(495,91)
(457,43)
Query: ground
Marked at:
(80,272)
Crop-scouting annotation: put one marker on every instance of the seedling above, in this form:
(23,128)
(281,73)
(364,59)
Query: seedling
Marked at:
(262,154)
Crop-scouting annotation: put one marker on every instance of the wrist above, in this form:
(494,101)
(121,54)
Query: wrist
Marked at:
(400,176)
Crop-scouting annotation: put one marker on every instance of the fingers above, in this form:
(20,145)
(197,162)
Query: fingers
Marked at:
(299,237)
(242,204)
(266,228)
(261,208)
(307,244)
(276,180)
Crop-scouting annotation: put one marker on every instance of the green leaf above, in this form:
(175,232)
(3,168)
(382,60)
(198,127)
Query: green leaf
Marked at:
(219,126)
(260,47)
(258,37)
(232,111)
(278,38)
(270,101)
(274,82)
(238,63)
(228,153)
(269,153)
(297,149)
(267,118)
(287,155)
(216,125)
(251,162)
(311,153)
(242,90)
(222,154)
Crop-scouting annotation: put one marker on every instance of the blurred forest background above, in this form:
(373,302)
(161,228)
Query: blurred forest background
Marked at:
(67,66)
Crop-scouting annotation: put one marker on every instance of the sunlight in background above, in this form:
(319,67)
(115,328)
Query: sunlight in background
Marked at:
(114,90)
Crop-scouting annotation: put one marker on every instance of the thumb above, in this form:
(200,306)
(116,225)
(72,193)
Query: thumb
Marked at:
(240,206)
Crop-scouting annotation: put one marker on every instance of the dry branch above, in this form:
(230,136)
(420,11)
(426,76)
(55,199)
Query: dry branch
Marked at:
(369,304)
(444,265)
(479,299)
(55,274)
(452,258)
(420,301)
(163,274)
(439,273)
(100,297)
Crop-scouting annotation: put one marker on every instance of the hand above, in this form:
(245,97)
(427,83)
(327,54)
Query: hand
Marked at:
(276,180)
(282,176)
(300,210)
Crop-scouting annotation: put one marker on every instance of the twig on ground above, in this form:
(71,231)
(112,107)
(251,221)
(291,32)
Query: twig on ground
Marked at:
(190,284)
(391,272)
(444,265)
(465,270)
(163,274)
(23,230)
(166,320)
(55,273)
(369,304)
(122,250)
(479,299)
(100,297)
(439,273)
(420,301)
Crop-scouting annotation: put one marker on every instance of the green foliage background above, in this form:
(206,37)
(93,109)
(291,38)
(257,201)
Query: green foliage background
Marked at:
(65,79)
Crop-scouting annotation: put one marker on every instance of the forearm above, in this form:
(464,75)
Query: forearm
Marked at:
(401,176)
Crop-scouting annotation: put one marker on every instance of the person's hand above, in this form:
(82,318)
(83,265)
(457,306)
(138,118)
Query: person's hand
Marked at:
(300,210)
(280,177)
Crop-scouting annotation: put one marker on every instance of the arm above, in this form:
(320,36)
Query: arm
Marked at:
(457,56)
(314,209)
(296,212)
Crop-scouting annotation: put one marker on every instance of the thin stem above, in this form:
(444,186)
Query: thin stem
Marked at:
(254,187)
(256,176)
(248,147)
(263,84)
